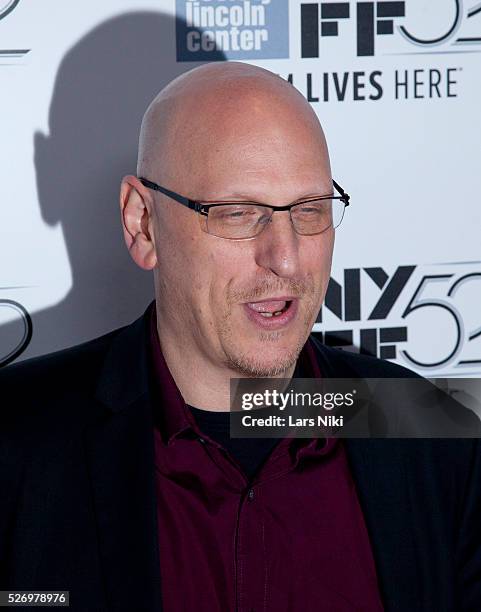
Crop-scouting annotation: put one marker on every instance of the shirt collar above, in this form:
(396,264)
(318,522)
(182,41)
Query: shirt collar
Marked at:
(174,418)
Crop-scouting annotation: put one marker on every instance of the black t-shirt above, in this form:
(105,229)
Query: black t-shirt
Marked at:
(251,453)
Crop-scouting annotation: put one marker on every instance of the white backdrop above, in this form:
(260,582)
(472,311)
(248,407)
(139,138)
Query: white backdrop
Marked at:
(397,86)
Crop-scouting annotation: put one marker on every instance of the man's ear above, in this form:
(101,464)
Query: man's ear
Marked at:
(136,206)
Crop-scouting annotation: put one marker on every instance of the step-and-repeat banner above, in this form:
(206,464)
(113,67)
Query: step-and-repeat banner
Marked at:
(396,85)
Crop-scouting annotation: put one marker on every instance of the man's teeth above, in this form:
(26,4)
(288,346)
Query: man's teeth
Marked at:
(271,314)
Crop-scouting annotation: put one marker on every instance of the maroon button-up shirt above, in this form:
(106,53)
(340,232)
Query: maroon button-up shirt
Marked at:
(291,539)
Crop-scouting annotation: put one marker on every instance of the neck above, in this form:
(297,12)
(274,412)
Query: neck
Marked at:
(201,382)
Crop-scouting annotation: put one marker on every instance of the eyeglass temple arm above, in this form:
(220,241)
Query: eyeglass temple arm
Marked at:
(171,194)
(345,197)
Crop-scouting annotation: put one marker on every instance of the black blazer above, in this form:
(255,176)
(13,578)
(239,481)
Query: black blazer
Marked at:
(77,497)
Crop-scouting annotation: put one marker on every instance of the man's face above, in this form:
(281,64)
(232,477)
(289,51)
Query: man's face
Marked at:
(213,291)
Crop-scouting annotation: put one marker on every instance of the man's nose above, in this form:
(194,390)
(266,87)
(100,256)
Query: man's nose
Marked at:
(277,246)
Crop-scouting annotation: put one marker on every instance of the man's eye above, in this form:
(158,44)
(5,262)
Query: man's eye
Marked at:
(314,208)
(237,213)
(309,210)
(234,214)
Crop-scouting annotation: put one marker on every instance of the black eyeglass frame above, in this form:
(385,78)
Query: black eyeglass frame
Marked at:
(204,207)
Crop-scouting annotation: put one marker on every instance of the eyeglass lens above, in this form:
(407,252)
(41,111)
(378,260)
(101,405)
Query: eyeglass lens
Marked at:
(237,221)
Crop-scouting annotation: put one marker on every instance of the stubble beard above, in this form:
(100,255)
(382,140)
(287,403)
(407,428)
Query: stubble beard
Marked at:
(250,365)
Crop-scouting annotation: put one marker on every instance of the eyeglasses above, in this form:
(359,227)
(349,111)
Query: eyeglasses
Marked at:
(244,220)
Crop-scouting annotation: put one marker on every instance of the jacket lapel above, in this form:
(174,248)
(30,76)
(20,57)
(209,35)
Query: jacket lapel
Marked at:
(378,472)
(120,458)
(378,468)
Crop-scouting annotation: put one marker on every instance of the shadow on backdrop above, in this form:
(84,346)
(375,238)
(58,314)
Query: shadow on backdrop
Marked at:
(103,86)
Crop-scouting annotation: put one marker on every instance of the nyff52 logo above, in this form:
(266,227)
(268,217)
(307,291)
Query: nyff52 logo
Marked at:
(407,20)
(425,317)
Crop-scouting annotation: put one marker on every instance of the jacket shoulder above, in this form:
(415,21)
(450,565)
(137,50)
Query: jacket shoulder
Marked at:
(60,379)
(52,364)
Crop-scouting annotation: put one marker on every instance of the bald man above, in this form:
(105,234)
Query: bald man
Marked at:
(120,481)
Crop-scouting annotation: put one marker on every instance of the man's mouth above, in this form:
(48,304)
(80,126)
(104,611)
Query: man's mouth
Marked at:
(272,313)
(271,308)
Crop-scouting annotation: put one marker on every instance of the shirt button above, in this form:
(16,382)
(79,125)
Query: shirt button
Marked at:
(250,494)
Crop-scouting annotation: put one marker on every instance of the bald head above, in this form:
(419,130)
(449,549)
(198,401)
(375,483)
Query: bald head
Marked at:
(217,112)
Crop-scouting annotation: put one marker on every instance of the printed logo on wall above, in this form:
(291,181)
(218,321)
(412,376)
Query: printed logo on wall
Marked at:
(441,32)
(240,29)
(6,7)
(259,29)
(250,29)
(383,32)
(20,336)
(386,30)
(412,300)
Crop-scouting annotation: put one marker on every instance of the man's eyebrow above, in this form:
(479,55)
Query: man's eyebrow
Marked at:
(242,197)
